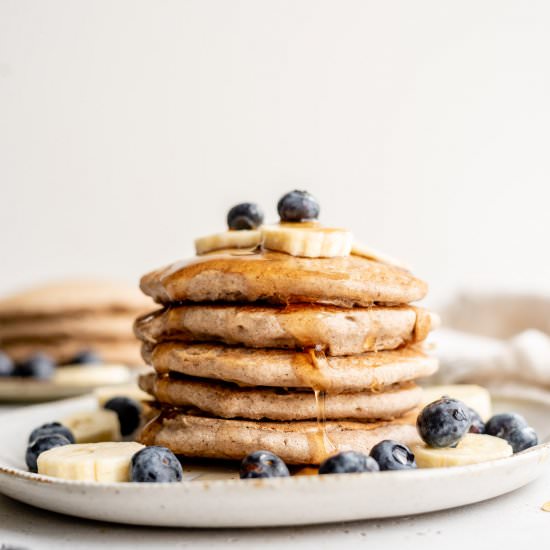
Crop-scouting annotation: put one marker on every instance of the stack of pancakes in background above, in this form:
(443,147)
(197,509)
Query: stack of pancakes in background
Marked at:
(304,357)
(68,318)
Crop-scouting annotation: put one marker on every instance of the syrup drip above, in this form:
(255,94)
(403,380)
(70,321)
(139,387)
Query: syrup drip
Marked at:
(307,471)
(323,443)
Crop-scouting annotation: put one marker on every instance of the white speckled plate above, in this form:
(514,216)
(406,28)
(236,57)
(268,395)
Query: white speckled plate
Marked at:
(214,497)
(29,390)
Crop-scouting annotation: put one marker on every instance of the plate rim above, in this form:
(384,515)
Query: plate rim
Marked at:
(442,473)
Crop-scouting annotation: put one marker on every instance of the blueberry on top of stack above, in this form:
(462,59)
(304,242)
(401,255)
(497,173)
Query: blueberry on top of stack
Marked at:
(291,338)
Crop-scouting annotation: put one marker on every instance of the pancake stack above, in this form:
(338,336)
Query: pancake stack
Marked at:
(66,319)
(260,349)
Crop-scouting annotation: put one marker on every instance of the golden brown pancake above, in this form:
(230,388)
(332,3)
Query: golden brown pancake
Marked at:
(78,326)
(291,369)
(229,401)
(282,279)
(125,352)
(73,296)
(338,331)
(191,434)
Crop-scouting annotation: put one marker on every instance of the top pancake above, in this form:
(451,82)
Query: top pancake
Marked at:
(282,279)
(73,297)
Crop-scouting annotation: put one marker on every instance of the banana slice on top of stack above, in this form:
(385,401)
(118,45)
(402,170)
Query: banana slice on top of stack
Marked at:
(304,238)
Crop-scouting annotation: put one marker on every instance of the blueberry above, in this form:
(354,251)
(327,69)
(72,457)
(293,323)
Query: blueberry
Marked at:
(522,438)
(86,357)
(443,422)
(262,464)
(51,428)
(41,444)
(348,462)
(155,465)
(39,366)
(500,424)
(477,426)
(246,215)
(391,455)
(298,206)
(7,366)
(513,428)
(129,413)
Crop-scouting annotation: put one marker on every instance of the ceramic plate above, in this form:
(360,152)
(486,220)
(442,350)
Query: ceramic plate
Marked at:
(27,390)
(214,497)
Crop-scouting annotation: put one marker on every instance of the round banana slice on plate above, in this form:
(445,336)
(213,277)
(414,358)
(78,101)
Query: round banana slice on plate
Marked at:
(93,426)
(91,375)
(475,397)
(105,462)
(471,449)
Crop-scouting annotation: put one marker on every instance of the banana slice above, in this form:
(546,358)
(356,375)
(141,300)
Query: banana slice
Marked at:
(476,397)
(246,238)
(307,240)
(128,390)
(91,375)
(359,249)
(106,462)
(471,449)
(93,426)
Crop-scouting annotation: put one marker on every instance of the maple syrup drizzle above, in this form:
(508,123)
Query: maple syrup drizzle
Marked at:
(324,446)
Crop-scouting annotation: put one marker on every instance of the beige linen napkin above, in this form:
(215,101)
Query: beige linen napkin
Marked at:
(498,340)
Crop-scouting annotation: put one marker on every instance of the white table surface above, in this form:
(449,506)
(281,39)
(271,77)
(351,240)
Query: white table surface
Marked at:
(513,521)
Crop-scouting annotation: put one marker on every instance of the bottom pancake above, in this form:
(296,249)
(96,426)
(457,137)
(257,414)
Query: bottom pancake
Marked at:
(125,352)
(295,442)
(230,401)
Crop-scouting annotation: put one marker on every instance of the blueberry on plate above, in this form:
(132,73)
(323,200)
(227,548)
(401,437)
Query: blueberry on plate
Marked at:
(52,428)
(41,444)
(128,411)
(155,465)
(499,424)
(522,438)
(444,422)
(348,462)
(298,206)
(246,215)
(86,357)
(477,426)
(262,464)
(39,366)
(391,455)
(7,366)
(513,428)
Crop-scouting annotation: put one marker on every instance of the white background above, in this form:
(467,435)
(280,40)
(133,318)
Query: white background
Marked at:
(127,128)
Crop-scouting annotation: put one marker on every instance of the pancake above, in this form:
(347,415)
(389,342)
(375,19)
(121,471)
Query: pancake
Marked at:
(291,369)
(85,325)
(73,296)
(301,442)
(228,401)
(283,279)
(125,352)
(337,331)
